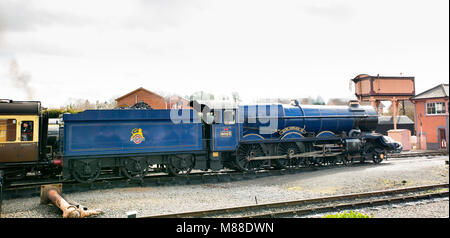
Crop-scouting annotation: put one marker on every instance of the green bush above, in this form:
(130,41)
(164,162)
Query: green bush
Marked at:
(55,113)
(350,214)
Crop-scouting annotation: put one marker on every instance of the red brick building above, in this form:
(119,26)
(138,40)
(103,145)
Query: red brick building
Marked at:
(431,117)
(142,95)
(177,102)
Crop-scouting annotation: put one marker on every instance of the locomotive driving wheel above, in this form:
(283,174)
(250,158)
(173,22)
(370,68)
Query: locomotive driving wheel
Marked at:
(302,161)
(288,149)
(134,168)
(180,164)
(245,153)
(85,171)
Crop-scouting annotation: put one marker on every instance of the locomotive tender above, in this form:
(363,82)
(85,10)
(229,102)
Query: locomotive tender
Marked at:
(135,142)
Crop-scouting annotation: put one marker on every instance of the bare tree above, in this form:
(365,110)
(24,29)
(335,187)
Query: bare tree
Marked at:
(236,97)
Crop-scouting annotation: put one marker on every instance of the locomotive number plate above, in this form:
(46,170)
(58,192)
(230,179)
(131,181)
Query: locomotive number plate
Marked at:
(226,134)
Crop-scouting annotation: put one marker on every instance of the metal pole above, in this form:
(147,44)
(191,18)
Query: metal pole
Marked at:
(395,113)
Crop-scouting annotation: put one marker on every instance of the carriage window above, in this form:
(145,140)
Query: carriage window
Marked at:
(26,131)
(228,117)
(7,130)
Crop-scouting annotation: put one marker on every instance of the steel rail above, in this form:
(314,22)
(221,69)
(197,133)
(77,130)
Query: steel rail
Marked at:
(297,202)
(351,205)
(418,154)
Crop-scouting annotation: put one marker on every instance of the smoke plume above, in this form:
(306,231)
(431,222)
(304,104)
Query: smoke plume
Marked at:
(21,79)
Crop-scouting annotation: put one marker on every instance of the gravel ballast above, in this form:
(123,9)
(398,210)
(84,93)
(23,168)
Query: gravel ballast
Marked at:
(394,173)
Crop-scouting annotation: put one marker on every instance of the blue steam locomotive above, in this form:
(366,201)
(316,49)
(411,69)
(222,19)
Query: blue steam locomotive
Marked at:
(135,142)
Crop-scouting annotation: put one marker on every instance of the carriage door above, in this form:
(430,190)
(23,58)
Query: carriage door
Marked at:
(224,131)
(28,145)
(8,146)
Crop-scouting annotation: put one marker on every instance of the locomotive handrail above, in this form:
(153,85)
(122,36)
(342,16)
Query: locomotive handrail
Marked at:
(260,128)
(301,155)
(293,117)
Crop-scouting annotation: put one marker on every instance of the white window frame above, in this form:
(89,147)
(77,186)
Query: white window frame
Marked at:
(442,112)
(233,114)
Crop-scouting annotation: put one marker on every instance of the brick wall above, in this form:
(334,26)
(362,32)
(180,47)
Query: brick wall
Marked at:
(154,100)
(431,123)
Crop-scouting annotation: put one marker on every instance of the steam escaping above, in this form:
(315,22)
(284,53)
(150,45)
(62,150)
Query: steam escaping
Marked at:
(20,79)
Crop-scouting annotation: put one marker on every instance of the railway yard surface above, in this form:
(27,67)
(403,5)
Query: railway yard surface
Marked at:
(157,200)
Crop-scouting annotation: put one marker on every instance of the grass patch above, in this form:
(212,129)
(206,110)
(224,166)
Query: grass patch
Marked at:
(350,214)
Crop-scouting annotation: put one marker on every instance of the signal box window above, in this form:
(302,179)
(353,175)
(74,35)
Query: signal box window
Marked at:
(435,108)
(26,130)
(7,130)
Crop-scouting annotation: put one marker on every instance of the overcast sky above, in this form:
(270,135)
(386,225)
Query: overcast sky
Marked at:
(53,50)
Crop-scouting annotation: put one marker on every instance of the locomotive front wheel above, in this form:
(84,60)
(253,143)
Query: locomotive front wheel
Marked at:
(378,157)
(332,161)
(306,162)
(180,164)
(84,171)
(346,160)
(134,168)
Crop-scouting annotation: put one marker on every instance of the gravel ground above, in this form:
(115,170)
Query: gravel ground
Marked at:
(394,173)
(433,208)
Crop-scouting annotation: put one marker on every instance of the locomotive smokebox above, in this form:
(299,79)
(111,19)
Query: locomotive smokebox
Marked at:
(366,117)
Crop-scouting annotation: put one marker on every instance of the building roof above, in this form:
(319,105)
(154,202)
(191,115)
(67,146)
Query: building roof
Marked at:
(390,120)
(439,91)
(141,88)
(366,76)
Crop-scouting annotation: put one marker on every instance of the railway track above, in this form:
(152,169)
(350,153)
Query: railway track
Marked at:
(21,190)
(322,204)
(418,154)
(32,188)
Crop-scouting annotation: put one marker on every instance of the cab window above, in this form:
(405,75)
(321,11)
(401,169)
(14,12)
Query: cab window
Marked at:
(228,117)
(26,130)
(8,130)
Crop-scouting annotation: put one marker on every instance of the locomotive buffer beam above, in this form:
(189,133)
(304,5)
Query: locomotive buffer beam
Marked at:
(52,193)
(314,154)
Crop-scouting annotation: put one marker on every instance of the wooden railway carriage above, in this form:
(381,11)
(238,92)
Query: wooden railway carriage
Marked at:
(23,137)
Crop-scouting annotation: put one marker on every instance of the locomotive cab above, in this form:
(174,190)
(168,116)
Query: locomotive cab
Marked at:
(221,129)
(224,130)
